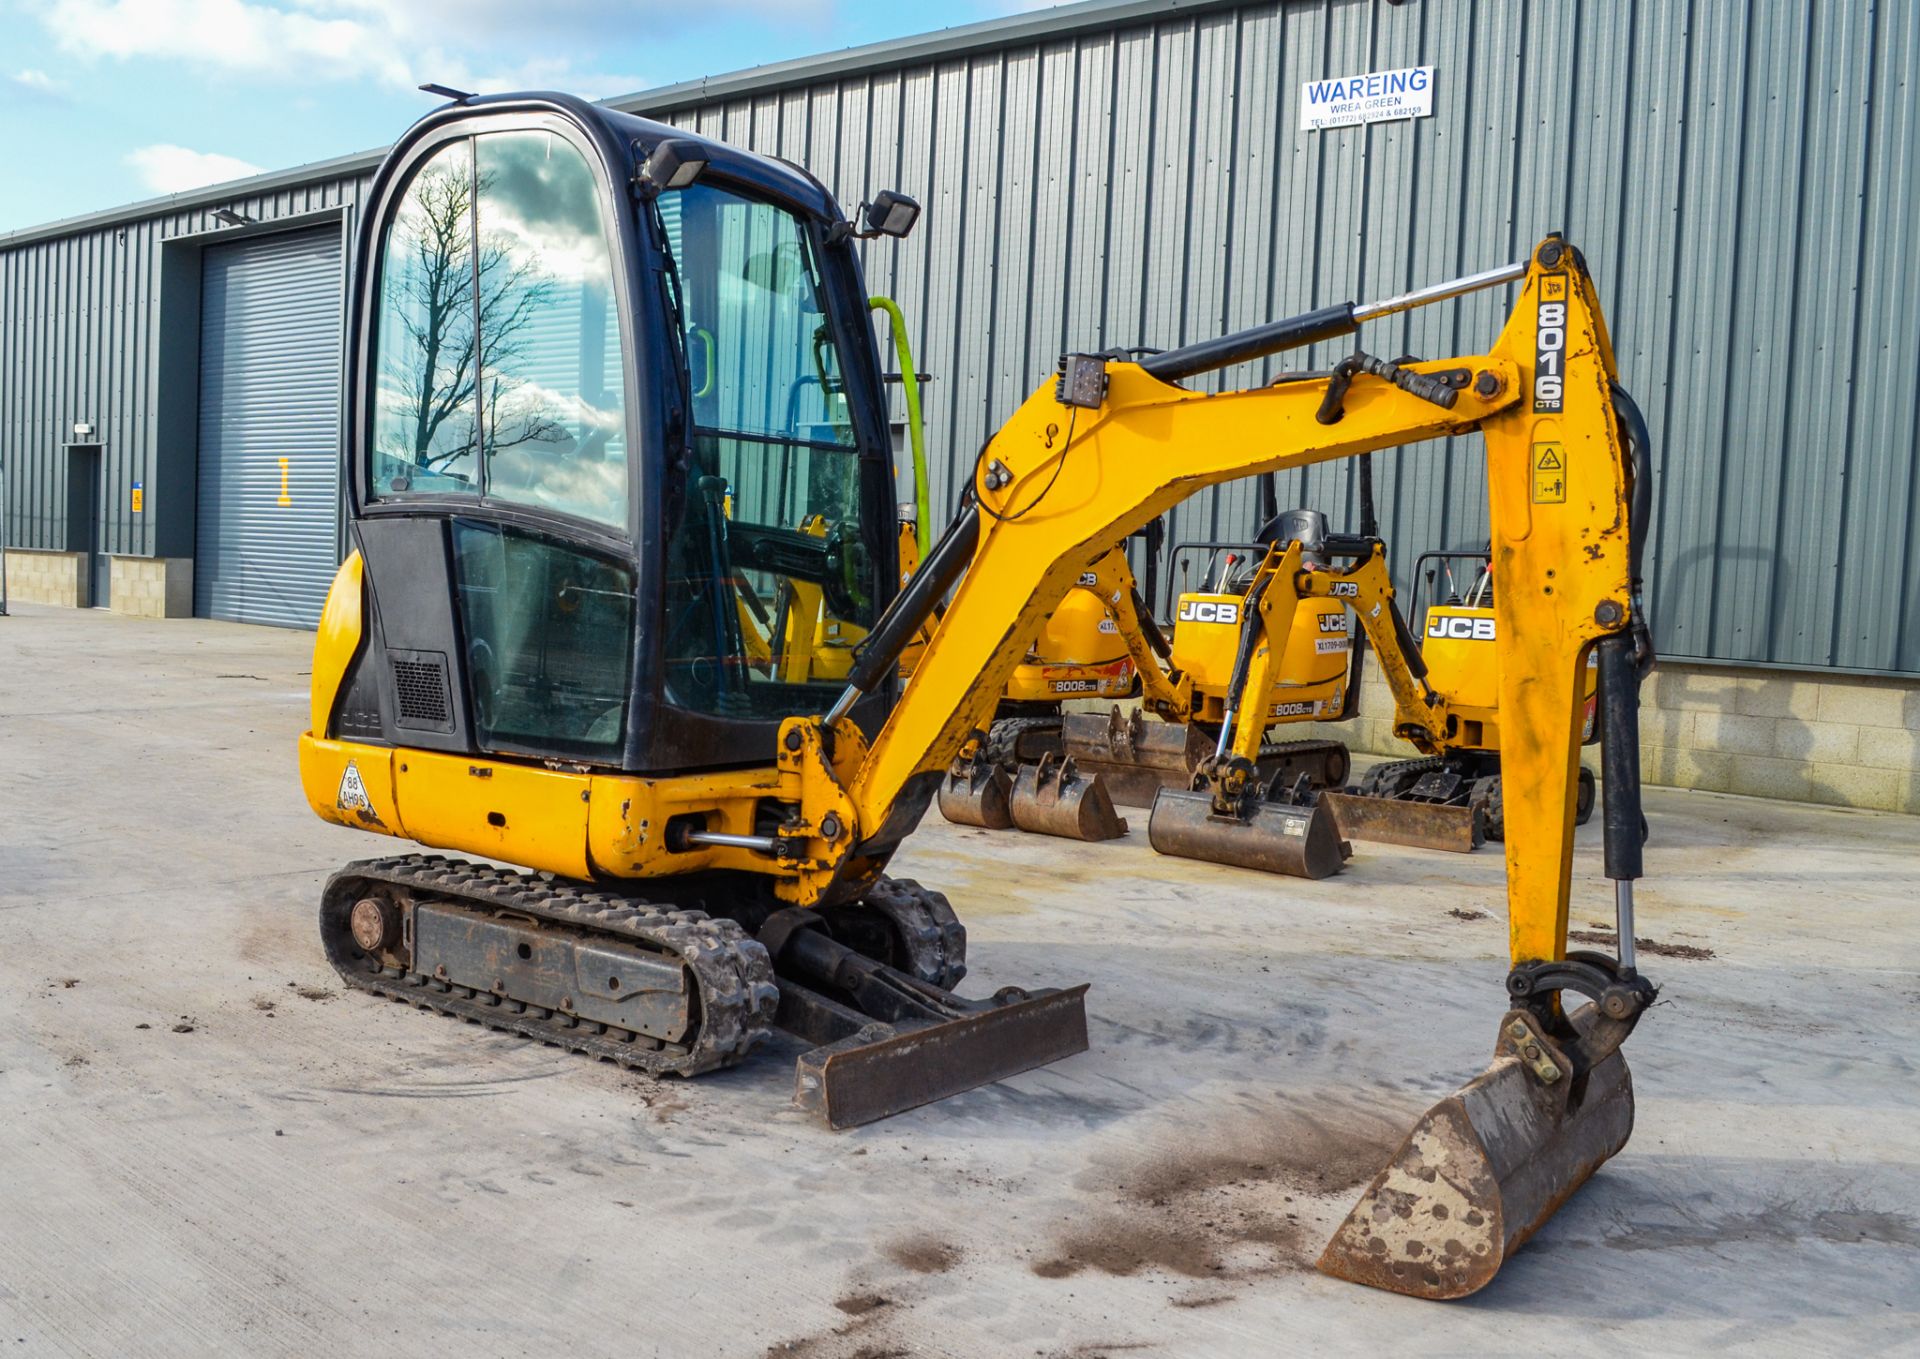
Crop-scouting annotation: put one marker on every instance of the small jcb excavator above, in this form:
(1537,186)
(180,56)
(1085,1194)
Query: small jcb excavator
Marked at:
(598,368)
(1445,684)
(1190,709)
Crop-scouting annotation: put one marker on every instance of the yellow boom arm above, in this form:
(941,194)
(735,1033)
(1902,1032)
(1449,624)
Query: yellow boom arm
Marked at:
(1062,482)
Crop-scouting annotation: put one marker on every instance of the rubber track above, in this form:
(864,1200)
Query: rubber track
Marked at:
(737,994)
(1371,782)
(1004,736)
(935,940)
(1291,750)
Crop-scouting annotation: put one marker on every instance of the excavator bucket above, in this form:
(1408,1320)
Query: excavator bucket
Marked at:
(1279,837)
(976,792)
(1459,829)
(1486,1167)
(1134,756)
(1054,798)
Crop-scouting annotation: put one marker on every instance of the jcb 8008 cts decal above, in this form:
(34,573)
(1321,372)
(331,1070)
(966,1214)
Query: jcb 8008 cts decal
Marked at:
(1550,345)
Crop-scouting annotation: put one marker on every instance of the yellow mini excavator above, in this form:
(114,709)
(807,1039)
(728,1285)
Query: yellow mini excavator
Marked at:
(598,369)
(1189,699)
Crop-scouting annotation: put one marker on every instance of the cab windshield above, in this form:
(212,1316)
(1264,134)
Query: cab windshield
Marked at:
(769,575)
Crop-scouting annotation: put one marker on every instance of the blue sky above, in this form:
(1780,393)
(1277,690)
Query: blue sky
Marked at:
(106,101)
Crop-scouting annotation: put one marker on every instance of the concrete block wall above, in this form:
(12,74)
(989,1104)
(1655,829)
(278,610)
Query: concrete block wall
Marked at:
(36,577)
(152,587)
(1840,739)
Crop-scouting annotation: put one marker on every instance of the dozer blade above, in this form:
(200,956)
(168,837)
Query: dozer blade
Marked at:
(1485,1168)
(977,794)
(886,1041)
(886,1069)
(1301,842)
(1424,825)
(1054,798)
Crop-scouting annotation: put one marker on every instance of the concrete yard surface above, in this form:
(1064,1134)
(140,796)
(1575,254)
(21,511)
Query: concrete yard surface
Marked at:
(208,1147)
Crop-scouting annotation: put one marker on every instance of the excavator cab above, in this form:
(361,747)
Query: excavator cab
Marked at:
(620,488)
(621,445)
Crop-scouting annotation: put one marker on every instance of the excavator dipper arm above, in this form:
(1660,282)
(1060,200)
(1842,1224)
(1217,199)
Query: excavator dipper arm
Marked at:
(1112,445)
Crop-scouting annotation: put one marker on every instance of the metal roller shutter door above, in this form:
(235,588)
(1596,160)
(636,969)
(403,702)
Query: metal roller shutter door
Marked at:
(267,535)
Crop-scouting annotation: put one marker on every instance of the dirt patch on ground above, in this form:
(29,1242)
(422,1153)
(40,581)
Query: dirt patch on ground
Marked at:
(867,1335)
(1253,1198)
(1608,939)
(311,992)
(924,1255)
(1459,914)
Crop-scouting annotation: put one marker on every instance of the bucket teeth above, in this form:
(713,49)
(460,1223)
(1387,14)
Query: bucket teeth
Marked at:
(1300,842)
(1484,1169)
(1054,798)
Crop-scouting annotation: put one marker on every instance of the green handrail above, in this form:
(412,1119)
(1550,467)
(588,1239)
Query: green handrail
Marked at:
(903,348)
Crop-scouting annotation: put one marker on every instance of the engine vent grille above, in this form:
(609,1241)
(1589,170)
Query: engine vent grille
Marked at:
(420,685)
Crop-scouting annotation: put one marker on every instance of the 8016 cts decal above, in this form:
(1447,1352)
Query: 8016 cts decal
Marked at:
(1550,346)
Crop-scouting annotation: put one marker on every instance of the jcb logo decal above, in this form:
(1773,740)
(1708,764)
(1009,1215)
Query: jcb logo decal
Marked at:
(1345,589)
(1206,611)
(1088,579)
(1334,622)
(1461,629)
(1550,345)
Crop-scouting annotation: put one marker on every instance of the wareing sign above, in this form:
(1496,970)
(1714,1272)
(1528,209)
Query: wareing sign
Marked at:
(1376,97)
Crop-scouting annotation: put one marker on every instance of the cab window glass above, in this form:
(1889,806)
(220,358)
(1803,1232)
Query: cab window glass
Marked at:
(770,563)
(498,368)
(549,638)
(551,400)
(426,425)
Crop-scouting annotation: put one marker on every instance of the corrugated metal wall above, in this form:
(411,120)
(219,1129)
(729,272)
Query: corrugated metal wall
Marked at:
(81,336)
(1739,176)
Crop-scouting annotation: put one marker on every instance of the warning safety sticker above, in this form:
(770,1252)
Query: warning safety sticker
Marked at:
(1549,474)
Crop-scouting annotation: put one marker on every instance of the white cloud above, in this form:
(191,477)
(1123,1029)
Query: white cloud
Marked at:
(397,42)
(254,39)
(173,169)
(38,82)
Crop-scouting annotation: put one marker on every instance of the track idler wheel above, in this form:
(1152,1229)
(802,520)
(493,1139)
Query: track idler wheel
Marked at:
(976,791)
(1054,798)
(1487,1166)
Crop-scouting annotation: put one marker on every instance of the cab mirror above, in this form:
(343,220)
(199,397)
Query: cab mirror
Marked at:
(891,214)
